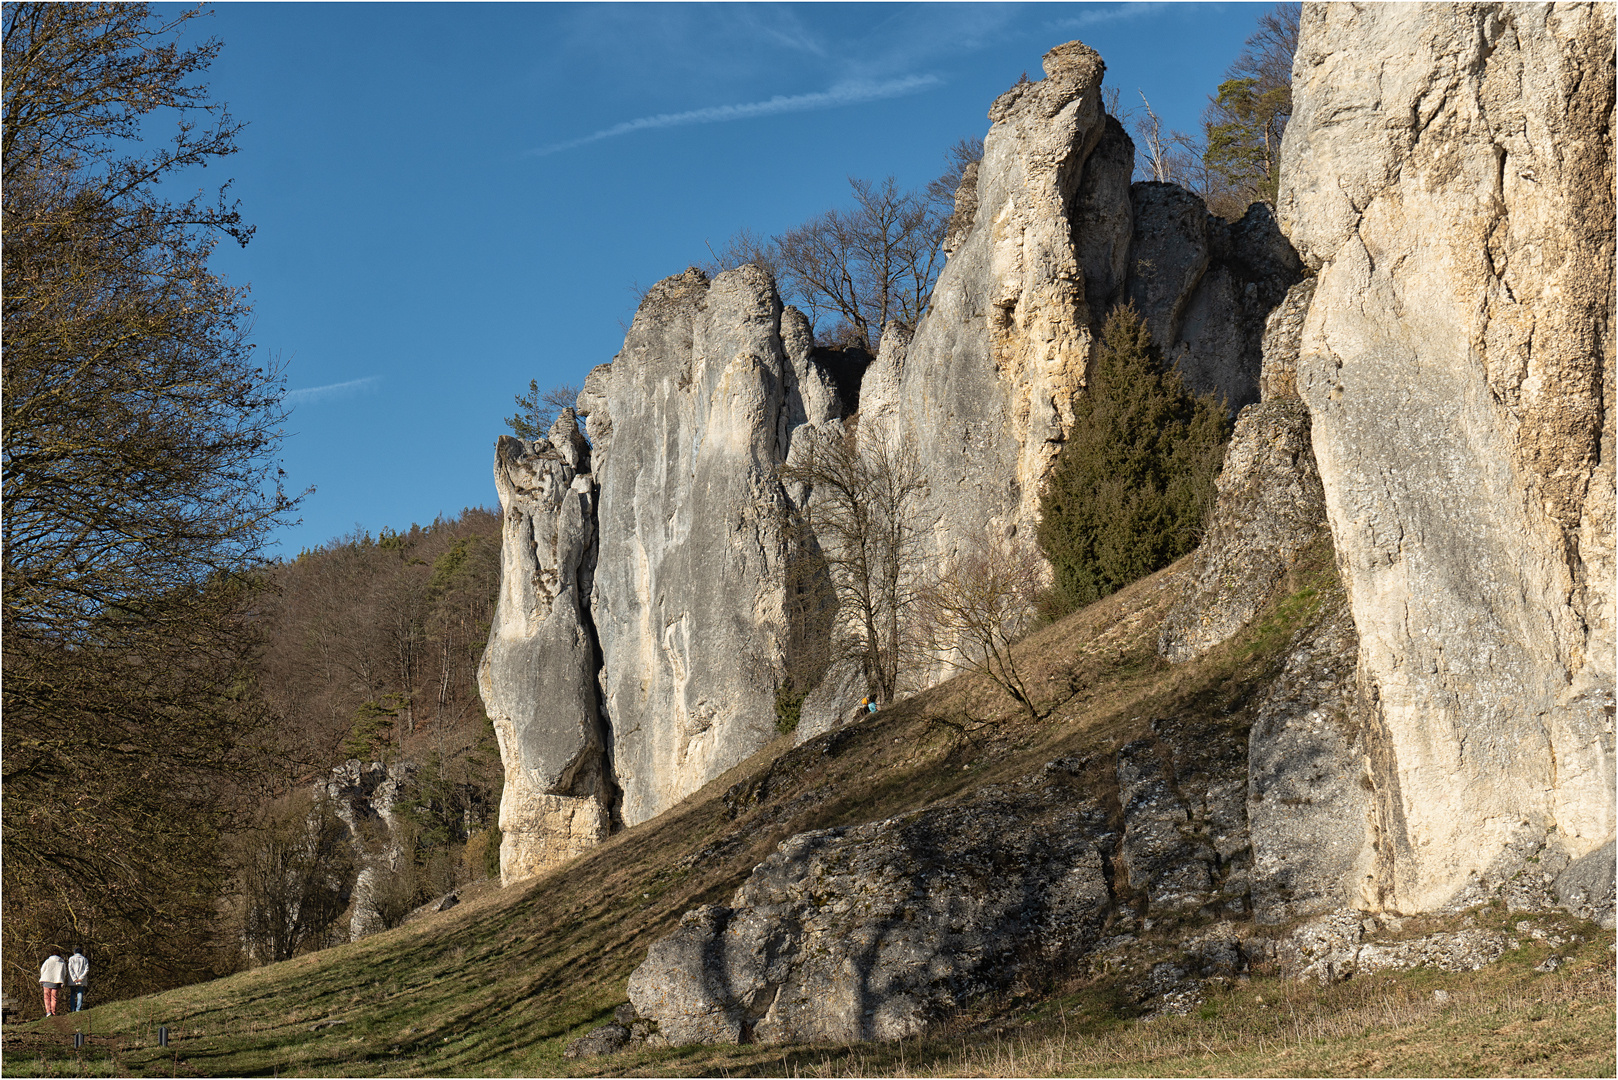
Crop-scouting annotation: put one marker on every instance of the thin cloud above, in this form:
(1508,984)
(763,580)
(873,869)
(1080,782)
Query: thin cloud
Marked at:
(311,394)
(852,93)
(1098,15)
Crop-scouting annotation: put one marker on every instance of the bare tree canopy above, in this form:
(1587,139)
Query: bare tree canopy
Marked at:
(975,606)
(855,269)
(858,539)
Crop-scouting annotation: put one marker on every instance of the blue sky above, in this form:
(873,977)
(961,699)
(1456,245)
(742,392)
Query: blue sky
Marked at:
(453,199)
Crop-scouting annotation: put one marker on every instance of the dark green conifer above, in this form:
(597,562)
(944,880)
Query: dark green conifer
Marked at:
(1135,479)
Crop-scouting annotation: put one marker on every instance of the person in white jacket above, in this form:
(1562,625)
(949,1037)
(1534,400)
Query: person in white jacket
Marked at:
(78,978)
(52,974)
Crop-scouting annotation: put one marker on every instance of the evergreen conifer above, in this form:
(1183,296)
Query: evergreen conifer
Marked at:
(1135,478)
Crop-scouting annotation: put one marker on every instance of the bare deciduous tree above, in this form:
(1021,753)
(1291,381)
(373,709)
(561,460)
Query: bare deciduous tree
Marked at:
(978,605)
(1171,156)
(139,436)
(865,265)
(863,493)
(297,876)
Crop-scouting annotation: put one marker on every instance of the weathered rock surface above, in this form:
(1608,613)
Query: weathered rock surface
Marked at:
(363,795)
(689,424)
(1309,810)
(1270,506)
(833,703)
(1587,886)
(538,674)
(874,932)
(1345,943)
(1185,840)
(983,392)
(1448,172)
(1206,287)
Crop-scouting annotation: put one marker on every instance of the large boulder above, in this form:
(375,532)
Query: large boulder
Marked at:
(874,932)
(1448,175)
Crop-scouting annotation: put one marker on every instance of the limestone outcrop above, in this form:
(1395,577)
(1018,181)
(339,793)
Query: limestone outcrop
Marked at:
(983,391)
(690,424)
(642,630)
(363,794)
(1048,235)
(1448,176)
(538,674)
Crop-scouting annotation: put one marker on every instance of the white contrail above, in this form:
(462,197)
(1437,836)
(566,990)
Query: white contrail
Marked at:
(315,393)
(845,94)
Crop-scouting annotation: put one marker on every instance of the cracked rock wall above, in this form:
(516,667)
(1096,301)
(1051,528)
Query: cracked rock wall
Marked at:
(1448,173)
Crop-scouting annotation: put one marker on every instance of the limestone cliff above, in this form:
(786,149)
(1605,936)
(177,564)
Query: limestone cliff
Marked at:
(690,423)
(641,630)
(1047,236)
(1448,175)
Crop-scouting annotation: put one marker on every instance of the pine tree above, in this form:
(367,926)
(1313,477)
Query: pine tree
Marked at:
(1136,477)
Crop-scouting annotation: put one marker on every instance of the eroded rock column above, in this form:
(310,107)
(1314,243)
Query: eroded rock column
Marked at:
(538,675)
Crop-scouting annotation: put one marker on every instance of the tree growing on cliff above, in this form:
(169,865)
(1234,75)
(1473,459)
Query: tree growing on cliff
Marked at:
(860,541)
(1245,120)
(537,410)
(1135,479)
(138,438)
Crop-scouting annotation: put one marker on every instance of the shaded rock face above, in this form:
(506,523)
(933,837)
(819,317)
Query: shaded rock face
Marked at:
(538,674)
(1448,173)
(1270,506)
(1206,287)
(874,932)
(1185,843)
(1309,807)
(690,423)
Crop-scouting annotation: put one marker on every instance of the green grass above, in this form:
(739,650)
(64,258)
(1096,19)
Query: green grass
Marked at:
(500,984)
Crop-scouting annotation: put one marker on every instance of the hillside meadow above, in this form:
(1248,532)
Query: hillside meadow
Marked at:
(499,985)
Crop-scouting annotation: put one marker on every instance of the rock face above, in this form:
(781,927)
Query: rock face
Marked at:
(874,932)
(690,424)
(1309,810)
(1206,287)
(1448,174)
(1047,236)
(983,391)
(1270,506)
(642,628)
(1185,839)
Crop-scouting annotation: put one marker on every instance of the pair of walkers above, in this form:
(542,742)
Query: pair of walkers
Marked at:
(73,974)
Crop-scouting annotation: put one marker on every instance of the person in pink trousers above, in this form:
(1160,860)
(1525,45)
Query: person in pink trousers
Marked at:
(52,974)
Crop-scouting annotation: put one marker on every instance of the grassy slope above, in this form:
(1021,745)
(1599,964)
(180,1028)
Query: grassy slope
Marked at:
(500,984)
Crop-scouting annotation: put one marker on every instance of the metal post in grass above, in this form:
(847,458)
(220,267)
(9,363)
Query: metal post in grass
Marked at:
(162,1036)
